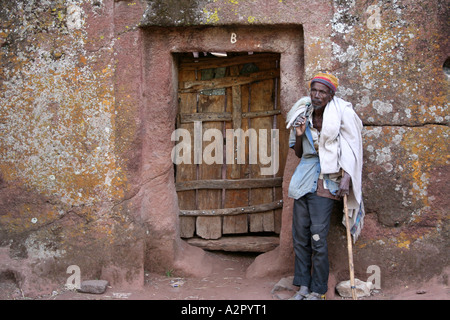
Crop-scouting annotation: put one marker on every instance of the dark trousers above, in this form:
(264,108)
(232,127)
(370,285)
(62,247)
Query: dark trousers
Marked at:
(310,225)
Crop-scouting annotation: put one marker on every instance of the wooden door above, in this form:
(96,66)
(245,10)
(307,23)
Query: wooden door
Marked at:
(224,205)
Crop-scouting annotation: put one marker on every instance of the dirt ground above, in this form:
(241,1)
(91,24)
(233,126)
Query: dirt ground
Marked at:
(226,282)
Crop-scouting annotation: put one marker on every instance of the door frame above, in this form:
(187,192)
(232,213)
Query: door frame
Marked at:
(156,203)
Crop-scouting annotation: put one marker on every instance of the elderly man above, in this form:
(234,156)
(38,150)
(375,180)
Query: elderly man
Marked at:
(326,135)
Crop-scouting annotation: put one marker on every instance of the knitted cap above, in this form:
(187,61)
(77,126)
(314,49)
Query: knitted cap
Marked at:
(327,79)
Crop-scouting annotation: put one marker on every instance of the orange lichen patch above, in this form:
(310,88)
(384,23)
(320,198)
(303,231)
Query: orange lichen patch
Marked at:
(404,244)
(26,217)
(403,237)
(59,117)
(411,152)
(426,149)
(83,59)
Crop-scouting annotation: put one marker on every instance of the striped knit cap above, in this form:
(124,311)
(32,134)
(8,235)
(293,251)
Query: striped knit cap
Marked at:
(327,79)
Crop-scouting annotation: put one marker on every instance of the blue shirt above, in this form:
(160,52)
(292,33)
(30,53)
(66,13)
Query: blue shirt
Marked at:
(306,175)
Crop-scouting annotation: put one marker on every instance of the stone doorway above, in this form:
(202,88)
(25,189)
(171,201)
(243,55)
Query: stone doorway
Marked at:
(229,190)
(162,48)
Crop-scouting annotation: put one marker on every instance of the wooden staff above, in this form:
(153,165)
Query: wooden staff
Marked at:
(350,251)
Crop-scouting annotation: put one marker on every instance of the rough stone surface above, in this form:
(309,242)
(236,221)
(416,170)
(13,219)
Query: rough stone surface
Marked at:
(285,284)
(284,289)
(93,286)
(88,103)
(362,289)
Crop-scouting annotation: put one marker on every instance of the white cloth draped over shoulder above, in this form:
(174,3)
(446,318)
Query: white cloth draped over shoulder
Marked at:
(297,109)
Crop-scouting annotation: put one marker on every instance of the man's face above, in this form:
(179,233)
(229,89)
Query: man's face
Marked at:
(320,95)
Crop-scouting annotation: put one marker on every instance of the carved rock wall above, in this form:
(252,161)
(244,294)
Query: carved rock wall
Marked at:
(85,129)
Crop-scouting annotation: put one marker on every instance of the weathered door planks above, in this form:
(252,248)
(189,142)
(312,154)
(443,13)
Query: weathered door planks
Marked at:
(212,196)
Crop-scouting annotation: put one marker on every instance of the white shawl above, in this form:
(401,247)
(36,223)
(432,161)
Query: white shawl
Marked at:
(340,147)
(340,144)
